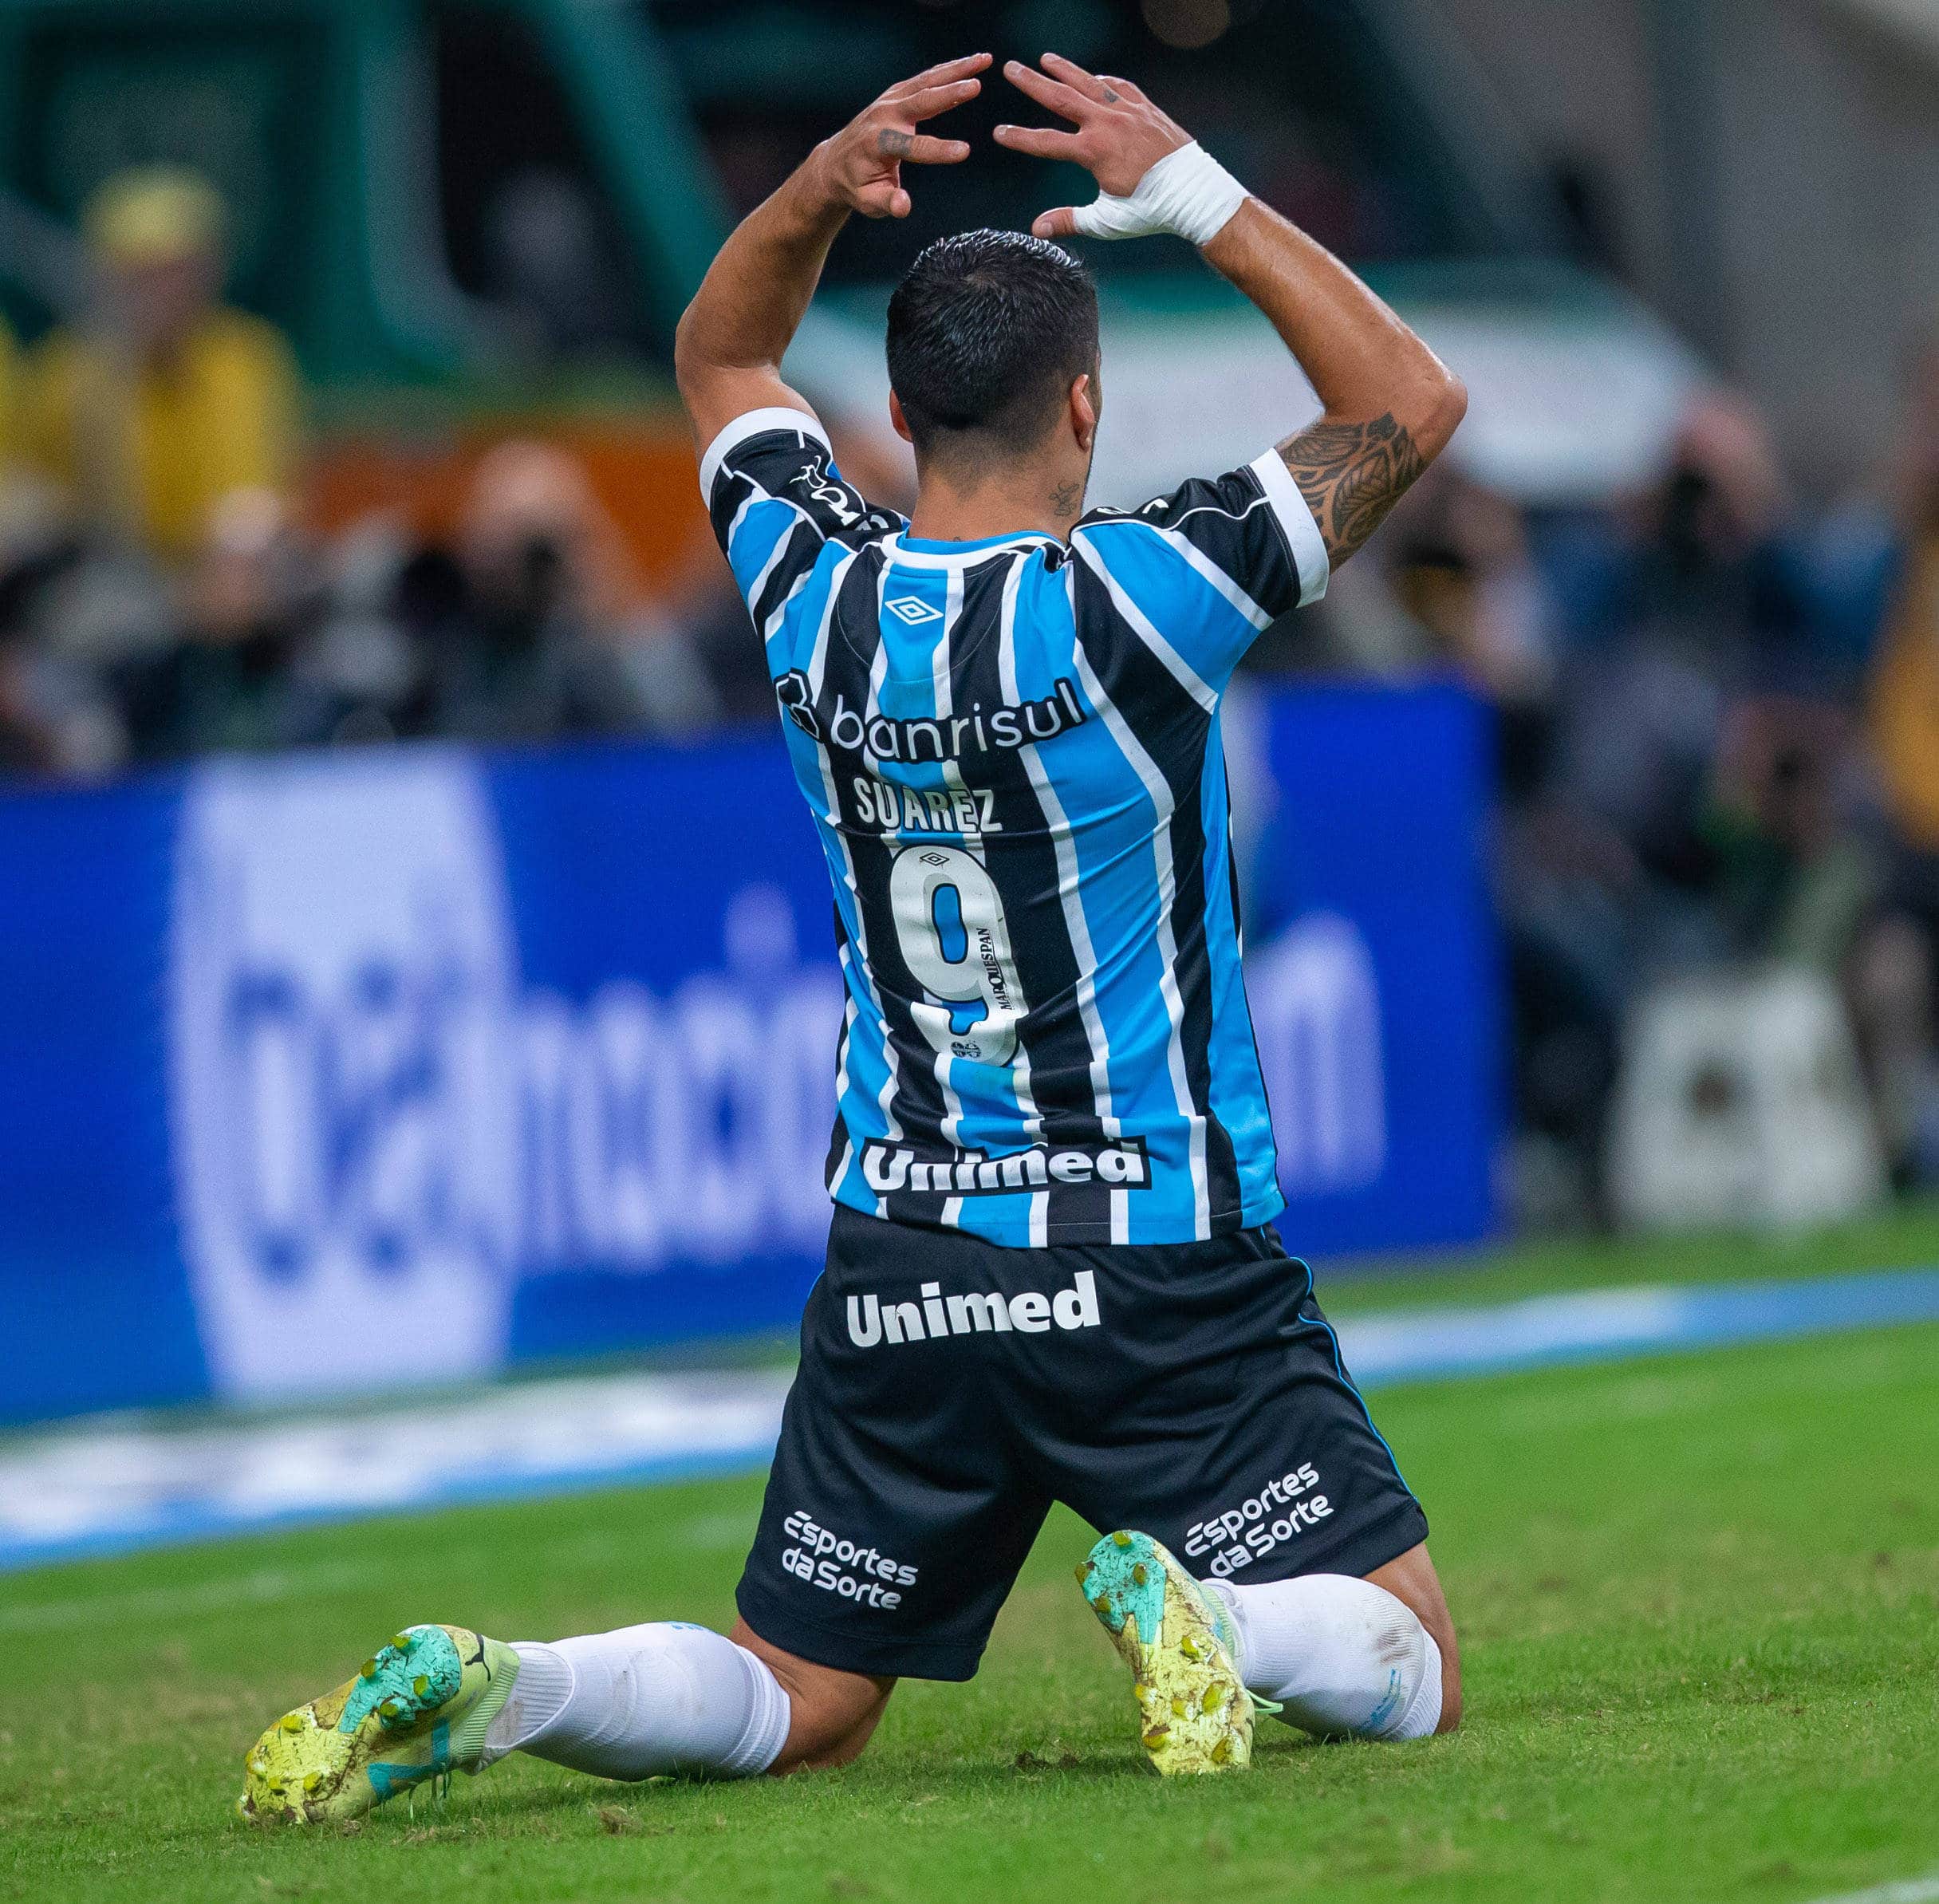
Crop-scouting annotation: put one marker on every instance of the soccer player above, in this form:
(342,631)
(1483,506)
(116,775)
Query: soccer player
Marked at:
(1051,1275)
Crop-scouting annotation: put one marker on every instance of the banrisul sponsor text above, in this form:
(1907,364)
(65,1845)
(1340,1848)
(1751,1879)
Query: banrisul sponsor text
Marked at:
(977,730)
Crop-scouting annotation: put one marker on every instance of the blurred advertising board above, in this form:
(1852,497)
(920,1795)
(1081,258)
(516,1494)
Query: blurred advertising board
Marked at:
(360,1072)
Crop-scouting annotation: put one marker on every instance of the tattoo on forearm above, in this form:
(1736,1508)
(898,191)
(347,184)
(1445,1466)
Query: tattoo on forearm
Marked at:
(1067,499)
(1351,474)
(892,144)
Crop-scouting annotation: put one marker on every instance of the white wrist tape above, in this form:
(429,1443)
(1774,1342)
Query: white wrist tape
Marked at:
(1187,192)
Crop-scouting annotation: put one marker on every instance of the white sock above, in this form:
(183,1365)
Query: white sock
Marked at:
(663,1698)
(1344,1657)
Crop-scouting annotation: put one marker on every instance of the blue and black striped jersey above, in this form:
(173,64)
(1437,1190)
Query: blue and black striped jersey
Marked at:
(1012,750)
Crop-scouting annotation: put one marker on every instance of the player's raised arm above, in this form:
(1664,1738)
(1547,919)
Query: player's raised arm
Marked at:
(1390,404)
(728,351)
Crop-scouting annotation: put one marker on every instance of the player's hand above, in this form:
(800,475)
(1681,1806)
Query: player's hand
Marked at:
(1121,135)
(862,166)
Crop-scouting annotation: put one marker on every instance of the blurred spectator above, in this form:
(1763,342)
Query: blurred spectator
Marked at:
(165,401)
(29,742)
(1464,571)
(536,629)
(231,680)
(1897,984)
(552,269)
(1905,694)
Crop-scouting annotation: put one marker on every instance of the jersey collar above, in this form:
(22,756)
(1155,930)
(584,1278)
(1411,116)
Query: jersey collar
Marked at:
(921,552)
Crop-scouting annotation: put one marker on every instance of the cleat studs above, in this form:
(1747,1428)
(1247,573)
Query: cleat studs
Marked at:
(1156,1737)
(1121,1540)
(312,1780)
(370,1669)
(401,1642)
(1084,1571)
(1102,1603)
(1140,1573)
(1178,1708)
(421,1685)
(1221,1751)
(1188,1646)
(1215,1696)
(291,1722)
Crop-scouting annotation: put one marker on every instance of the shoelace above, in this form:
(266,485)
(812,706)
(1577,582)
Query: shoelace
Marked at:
(1227,1627)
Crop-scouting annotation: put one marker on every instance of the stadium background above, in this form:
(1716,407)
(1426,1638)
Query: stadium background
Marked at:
(406,911)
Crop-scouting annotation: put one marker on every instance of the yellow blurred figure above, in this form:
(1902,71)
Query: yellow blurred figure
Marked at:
(171,401)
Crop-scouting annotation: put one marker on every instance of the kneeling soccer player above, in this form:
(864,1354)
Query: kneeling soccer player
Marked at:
(1051,1275)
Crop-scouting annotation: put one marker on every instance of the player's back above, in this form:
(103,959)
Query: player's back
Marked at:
(1012,749)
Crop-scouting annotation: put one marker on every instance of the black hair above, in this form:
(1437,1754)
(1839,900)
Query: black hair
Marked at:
(986,333)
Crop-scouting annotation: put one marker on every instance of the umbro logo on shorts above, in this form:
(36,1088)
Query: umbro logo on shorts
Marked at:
(1029,1312)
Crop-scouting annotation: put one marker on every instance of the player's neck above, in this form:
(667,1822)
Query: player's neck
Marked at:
(1047,499)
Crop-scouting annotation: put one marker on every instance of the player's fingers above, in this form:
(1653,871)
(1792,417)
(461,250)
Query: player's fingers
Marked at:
(933,100)
(1123,87)
(1040,142)
(936,75)
(1061,98)
(923,149)
(1074,76)
(878,200)
(1062,222)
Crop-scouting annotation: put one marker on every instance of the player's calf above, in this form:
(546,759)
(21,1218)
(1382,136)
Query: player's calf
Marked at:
(1344,1657)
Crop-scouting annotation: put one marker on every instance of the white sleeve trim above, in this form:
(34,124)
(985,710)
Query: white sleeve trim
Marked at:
(754,423)
(1296,518)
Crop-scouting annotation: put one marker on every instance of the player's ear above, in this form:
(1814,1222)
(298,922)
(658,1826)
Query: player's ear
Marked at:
(1083,407)
(895,416)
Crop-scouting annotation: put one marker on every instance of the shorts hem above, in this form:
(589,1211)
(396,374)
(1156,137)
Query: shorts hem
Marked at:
(885,1657)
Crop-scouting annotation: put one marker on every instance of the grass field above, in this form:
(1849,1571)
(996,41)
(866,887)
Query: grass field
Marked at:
(1699,1599)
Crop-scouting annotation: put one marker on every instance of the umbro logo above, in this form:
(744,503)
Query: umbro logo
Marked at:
(912,610)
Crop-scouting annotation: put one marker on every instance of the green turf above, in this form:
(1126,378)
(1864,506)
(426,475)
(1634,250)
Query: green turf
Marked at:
(1699,1603)
(1906,1237)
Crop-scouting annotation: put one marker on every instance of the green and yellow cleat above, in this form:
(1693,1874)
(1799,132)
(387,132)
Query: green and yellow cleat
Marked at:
(1194,1713)
(418,1711)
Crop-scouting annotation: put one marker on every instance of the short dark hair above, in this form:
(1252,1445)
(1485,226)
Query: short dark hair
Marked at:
(985,334)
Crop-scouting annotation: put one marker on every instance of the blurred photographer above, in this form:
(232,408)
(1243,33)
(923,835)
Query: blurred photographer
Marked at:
(534,628)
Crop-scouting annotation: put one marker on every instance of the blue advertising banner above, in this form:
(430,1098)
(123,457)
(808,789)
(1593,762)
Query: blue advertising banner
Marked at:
(361,1070)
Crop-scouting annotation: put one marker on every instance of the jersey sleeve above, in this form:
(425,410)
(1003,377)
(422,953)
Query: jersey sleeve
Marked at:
(1198,574)
(777,500)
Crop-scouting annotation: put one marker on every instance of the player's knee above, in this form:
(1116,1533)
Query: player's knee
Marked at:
(823,1735)
(1450,1692)
(832,1715)
(1442,1628)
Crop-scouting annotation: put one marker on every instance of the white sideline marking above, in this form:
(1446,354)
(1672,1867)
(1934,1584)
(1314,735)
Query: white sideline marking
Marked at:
(1912,1891)
(85,1488)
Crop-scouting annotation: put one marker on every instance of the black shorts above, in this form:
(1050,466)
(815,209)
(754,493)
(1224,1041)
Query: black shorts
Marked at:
(951,1390)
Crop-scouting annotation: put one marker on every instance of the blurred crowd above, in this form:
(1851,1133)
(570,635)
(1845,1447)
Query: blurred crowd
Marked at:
(1718,703)
(161,597)
(1717,720)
